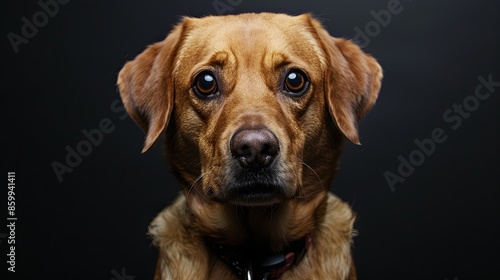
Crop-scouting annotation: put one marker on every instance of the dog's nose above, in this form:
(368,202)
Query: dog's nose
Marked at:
(254,148)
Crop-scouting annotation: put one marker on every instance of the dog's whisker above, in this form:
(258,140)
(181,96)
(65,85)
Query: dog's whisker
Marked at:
(191,187)
(313,171)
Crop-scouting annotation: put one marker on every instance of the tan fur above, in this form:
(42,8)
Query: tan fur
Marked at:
(249,53)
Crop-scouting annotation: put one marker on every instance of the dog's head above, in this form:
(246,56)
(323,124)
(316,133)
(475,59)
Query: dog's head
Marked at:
(255,105)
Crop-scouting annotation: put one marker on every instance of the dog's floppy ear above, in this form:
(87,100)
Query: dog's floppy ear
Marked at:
(352,81)
(146,86)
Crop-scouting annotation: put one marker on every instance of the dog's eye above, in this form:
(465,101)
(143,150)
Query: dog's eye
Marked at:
(205,84)
(296,82)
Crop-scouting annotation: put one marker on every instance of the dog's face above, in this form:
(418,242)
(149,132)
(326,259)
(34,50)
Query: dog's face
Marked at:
(250,88)
(256,105)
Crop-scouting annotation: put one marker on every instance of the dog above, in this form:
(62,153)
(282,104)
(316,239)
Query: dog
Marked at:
(254,109)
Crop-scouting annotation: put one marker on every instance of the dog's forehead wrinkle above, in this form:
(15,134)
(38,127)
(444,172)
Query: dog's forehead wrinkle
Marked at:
(219,58)
(252,30)
(249,37)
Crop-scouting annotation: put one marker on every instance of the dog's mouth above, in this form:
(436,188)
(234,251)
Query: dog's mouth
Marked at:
(255,189)
(255,194)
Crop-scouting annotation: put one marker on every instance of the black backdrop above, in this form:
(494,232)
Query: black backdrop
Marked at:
(441,222)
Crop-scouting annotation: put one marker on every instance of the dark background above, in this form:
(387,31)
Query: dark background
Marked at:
(442,222)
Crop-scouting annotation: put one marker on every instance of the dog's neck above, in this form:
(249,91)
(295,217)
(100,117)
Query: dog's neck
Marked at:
(270,228)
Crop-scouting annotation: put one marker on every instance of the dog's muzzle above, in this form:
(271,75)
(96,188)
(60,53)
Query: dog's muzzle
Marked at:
(254,178)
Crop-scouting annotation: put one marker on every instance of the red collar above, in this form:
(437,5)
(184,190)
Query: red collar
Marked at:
(249,263)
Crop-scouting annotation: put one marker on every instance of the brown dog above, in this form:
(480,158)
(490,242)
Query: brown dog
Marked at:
(254,108)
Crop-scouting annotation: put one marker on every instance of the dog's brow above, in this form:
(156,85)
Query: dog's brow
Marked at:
(219,58)
(276,61)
